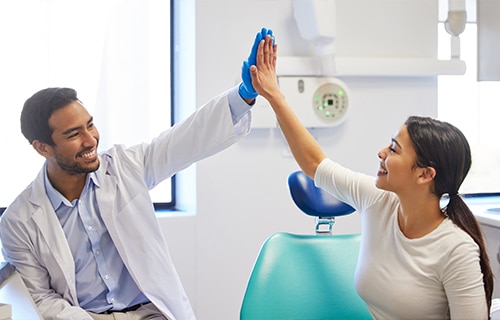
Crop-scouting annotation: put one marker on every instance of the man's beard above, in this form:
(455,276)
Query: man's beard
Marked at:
(74,168)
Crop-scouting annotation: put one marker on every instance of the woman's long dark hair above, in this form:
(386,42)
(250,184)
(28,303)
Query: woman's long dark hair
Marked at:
(444,147)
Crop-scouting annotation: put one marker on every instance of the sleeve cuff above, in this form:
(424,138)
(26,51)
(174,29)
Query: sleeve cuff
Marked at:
(237,105)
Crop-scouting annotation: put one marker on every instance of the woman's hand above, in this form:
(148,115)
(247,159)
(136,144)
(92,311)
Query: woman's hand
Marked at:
(304,147)
(264,78)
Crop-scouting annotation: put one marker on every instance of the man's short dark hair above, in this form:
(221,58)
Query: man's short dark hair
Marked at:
(38,109)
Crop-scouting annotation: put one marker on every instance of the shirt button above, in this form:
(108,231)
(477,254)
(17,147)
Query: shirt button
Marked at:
(97,252)
(89,228)
(106,277)
(112,300)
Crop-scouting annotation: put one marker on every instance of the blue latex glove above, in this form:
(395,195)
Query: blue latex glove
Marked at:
(246,89)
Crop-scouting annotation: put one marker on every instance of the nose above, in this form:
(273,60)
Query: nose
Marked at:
(90,138)
(382,154)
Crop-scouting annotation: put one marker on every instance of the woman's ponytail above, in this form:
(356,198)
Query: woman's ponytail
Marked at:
(458,212)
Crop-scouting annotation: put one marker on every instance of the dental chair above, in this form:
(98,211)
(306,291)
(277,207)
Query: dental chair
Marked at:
(306,276)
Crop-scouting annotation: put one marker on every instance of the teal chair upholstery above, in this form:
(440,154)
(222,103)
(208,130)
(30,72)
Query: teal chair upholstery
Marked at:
(305,276)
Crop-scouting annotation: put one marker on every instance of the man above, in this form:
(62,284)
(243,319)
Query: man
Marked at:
(84,235)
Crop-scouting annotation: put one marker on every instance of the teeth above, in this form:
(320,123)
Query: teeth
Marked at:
(88,155)
(383,171)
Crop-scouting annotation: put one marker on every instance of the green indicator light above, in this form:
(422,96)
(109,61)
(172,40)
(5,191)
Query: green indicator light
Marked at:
(340,92)
(327,113)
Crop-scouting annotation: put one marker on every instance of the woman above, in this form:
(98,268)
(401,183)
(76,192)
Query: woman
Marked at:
(417,260)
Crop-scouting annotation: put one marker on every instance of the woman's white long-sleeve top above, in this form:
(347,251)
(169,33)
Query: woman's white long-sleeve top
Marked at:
(437,276)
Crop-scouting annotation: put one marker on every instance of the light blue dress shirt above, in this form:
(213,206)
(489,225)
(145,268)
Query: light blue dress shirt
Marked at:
(102,281)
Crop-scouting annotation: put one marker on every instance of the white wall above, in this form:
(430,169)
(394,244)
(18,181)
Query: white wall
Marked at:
(241,193)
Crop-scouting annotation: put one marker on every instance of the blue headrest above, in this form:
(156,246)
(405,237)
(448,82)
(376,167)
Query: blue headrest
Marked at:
(315,201)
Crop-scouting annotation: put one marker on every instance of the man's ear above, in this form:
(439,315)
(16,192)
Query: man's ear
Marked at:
(42,148)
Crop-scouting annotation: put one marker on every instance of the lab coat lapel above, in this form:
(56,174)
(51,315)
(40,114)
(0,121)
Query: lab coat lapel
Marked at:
(55,244)
(106,199)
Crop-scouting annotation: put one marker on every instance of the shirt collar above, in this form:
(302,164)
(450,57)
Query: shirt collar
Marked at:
(56,198)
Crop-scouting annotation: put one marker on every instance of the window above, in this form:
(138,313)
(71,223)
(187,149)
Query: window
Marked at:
(115,53)
(474,108)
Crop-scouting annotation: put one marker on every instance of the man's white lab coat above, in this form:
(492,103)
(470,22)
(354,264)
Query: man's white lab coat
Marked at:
(34,241)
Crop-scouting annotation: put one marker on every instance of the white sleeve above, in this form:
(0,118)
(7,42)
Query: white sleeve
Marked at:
(463,283)
(356,189)
(207,131)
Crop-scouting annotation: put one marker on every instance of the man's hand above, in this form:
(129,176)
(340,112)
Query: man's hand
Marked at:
(246,89)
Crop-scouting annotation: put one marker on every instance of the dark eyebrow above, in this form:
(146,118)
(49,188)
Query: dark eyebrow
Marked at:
(396,142)
(68,131)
